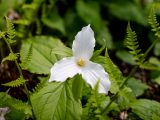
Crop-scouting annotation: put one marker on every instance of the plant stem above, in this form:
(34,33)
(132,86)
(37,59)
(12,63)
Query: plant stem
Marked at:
(21,74)
(121,86)
(152,45)
(130,74)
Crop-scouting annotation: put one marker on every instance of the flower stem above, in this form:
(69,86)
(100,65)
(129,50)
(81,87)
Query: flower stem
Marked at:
(130,74)
(20,72)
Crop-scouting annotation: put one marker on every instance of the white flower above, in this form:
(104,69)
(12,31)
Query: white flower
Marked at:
(3,112)
(79,63)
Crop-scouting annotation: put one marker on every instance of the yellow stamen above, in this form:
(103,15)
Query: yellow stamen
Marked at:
(81,62)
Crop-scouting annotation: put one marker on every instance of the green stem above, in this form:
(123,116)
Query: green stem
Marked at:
(20,72)
(130,74)
(152,45)
(120,88)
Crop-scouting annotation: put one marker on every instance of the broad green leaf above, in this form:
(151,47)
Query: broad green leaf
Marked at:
(127,11)
(5,8)
(138,88)
(41,59)
(53,20)
(104,37)
(90,13)
(55,102)
(157,49)
(18,109)
(157,80)
(71,26)
(62,51)
(77,87)
(146,109)
(125,57)
(155,61)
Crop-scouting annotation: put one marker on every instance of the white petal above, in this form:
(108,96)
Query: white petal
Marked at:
(93,72)
(63,69)
(83,45)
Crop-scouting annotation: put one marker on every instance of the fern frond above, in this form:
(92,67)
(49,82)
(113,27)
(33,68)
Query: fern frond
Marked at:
(21,106)
(152,20)
(11,57)
(11,33)
(7,100)
(38,87)
(16,83)
(2,34)
(27,59)
(96,95)
(132,44)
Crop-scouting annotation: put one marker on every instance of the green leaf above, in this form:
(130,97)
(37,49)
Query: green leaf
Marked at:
(5,6)
(90,13)
(18,109)
(11,57)
(55,102)
(62,51)
(157,80)
(146,109)
(41,59)
(53,20)
(125,56)
(104,37)
(98,52)
(77,87)
(140,87)
(16,83)
(127,11)
(155,62)
(157,49)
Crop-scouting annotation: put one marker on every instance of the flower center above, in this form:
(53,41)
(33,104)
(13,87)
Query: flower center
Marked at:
(81,62)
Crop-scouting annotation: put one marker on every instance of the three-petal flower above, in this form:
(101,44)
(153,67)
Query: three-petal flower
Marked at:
(79,63)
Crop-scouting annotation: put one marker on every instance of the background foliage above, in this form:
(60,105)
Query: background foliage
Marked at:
(42,34)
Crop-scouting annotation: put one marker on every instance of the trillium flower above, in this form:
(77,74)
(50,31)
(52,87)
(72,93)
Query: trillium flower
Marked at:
(3,112)
(79,63)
